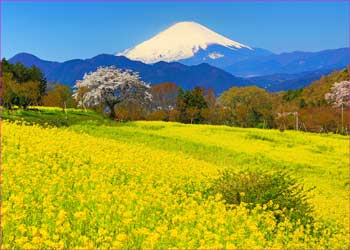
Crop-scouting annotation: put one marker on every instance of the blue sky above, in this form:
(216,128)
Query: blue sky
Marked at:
(61,30)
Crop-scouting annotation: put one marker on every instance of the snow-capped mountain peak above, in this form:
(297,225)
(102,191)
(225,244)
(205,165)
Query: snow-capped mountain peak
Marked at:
(180,41)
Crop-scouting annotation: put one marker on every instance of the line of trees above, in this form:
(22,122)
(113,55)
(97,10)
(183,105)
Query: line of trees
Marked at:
(320,107)
(21,86)
(26,86)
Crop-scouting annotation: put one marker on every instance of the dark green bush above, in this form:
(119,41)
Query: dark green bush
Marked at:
(260,188)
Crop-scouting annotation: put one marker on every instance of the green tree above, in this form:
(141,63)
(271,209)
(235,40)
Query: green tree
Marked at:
(8,97)
(20,94)
(190,104)
(27,93)
(59,96)
(250,106)
(22,74)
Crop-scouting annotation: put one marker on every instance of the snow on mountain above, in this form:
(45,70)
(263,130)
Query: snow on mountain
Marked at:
(215,55)
(180,41)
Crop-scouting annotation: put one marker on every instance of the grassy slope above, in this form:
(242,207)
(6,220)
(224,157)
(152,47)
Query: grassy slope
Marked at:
(51,116)
(317,160)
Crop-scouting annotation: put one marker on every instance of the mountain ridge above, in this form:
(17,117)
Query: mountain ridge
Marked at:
(187,77)
(292,62)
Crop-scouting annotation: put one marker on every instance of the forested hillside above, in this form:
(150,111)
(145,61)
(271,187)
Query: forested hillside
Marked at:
(305,109)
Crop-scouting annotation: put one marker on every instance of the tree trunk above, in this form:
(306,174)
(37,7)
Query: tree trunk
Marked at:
(84,108)
(112,111)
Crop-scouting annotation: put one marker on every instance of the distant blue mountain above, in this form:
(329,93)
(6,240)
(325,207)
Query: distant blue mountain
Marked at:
(272,72)
(291,63)
(222,57)
(283,81)
(187,77)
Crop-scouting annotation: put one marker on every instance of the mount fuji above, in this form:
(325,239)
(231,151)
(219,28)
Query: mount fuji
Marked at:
(190,55)
(192,43)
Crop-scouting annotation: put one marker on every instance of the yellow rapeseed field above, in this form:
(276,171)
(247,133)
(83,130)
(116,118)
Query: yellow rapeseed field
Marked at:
(140,185)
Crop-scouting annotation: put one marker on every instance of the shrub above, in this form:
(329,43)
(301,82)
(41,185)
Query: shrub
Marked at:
(261,188)
(158,115)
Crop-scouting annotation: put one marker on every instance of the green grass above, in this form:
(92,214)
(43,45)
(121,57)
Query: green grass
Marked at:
(52,116)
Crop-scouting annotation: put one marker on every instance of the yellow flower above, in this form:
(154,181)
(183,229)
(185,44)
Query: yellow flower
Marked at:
(130,186)
(22,228)
(121,237)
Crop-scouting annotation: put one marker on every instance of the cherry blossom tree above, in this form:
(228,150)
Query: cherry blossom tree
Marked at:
(108,86)
(339,97)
